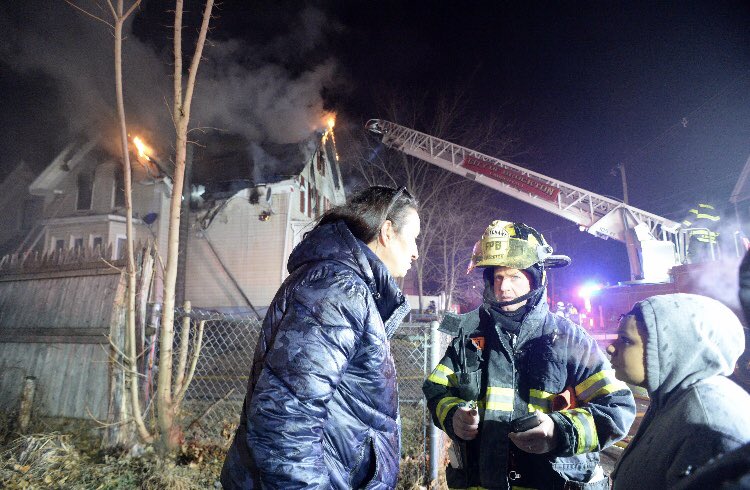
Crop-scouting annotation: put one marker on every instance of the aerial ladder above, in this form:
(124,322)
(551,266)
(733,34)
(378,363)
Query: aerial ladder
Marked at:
(654,244)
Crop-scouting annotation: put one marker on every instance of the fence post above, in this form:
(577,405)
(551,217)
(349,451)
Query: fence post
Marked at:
(434,431)
(27,401)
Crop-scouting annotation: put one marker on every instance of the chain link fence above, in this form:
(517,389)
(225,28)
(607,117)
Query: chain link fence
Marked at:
(214,399)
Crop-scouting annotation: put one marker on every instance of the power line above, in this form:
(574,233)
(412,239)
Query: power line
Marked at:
(685,120)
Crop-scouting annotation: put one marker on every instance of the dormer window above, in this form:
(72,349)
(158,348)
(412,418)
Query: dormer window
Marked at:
(85,189)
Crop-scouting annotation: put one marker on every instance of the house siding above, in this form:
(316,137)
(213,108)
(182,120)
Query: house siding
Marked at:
(251,249)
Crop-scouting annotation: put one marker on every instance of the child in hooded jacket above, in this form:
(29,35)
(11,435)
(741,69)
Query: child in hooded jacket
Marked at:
(681,348)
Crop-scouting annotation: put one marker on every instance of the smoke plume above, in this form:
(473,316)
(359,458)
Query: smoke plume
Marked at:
(238,89)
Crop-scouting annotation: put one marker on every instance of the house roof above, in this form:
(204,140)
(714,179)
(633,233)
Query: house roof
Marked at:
(241,165)
(274,162)
(78,152)
(69,158)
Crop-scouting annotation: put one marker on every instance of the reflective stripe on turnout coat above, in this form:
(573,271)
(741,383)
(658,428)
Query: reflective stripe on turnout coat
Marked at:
(550,355)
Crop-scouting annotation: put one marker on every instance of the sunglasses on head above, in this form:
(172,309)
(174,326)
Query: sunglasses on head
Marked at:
(401,191)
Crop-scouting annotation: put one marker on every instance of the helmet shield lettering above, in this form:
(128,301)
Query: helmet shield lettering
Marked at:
(509,244)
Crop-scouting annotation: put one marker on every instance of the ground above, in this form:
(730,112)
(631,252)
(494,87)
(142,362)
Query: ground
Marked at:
(65,455)
(70,459)
(52,461)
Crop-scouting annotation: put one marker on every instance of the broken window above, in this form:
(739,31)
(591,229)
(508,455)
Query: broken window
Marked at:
(85,190)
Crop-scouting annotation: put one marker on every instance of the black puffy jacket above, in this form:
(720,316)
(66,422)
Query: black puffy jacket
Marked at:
(321,409)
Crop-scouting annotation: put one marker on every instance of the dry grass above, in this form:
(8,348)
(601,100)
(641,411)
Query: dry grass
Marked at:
(50,461)
(54,460)
(167,475)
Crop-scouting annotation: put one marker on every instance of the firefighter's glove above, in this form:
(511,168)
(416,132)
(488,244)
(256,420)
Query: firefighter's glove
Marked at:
(466,423)
(539,440)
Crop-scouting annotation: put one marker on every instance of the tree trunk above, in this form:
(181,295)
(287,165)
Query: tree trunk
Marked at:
(167,405)
(165,411)
(131,363)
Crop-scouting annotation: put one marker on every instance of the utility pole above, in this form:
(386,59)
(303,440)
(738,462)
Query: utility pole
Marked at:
(636,269)
(621,168)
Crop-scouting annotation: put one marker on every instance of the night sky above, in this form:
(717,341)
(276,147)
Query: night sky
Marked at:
(664,89)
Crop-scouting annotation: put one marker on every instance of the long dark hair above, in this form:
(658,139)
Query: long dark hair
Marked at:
(366,211)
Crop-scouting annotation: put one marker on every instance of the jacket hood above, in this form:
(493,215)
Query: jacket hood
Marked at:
(334,242)
(689,338)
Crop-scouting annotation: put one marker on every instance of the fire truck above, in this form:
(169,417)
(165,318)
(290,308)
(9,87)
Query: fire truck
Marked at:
(656,246)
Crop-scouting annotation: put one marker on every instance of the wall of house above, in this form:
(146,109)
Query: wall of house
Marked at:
(89,227)
(87,231)
(160,199)
(255,251)
(64,202)
(319,192)
(64,221)
(251,249)
(104,187)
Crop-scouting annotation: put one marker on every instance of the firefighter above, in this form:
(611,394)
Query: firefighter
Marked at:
(702,238)
(512,357)
(571,313)
(560,309)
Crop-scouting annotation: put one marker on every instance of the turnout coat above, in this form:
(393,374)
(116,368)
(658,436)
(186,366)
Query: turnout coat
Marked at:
(321,410)
(553,366)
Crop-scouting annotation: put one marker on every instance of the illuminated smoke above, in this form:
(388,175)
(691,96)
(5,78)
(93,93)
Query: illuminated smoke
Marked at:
(258,100)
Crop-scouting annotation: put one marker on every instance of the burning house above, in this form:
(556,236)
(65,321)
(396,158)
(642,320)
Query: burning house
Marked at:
(242,232)
(238,233)
(83,201)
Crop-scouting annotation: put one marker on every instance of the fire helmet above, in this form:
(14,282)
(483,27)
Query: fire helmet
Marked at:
(514,245)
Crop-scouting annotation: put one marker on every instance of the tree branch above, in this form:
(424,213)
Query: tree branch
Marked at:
(193,73)
(89,13)
(193,362)
(130,10)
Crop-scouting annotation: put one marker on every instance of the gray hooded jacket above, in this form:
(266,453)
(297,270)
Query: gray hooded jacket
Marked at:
(696,413)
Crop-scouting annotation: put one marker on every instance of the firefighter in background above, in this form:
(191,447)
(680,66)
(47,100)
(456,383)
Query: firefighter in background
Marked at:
(560,309)
(513,358)
(703,237)
(571,313)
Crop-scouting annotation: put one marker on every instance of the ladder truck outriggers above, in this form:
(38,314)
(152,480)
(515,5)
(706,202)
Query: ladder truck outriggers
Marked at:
(656,246)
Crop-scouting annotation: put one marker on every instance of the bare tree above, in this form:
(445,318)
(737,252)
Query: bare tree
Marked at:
(464,214)
(169,397)
(120,15)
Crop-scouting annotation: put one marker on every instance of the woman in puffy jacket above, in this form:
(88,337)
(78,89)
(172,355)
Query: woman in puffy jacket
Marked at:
(321,410)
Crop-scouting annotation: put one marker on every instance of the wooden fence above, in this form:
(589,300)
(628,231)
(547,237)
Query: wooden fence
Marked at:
(58,314)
